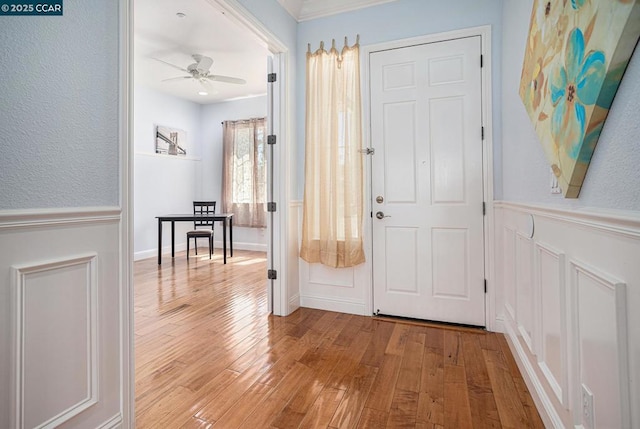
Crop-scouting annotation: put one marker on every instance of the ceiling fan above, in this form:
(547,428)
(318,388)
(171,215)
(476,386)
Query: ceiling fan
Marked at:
(200,71)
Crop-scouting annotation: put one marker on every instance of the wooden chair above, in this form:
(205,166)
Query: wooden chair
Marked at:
(206,226)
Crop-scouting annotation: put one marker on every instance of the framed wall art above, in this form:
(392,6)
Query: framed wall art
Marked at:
(575,57)
(171,141)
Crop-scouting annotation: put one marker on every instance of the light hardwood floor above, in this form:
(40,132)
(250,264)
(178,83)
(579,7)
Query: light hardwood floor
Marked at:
(209,355)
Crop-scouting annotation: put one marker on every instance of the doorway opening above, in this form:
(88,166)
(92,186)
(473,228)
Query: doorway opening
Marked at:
(234,46)
(169,182)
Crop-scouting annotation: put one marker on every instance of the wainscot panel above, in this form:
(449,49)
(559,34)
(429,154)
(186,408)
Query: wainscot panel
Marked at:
(575,327)
(61,318)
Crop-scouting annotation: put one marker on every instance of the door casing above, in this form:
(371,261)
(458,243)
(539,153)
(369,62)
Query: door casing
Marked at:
(485,34)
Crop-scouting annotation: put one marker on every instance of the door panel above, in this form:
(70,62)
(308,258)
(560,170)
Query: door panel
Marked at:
(428,249)
(401,187)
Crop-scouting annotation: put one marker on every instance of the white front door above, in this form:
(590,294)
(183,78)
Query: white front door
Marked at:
(427,182)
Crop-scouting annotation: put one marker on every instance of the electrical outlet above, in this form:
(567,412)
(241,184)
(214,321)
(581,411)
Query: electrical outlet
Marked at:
(587,408)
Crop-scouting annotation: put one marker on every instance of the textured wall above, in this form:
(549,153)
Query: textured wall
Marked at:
(163,184)
(59,110)
(613,178)
(399,20)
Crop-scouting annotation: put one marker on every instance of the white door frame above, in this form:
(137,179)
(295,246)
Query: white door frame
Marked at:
(282,128)
(487,152)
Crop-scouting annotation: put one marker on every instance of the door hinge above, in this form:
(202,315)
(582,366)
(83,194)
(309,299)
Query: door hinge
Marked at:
(482,132)
(484,208)
(271,207)
(481,61)
(271,77)
(485,285)
(271,139)
(371,213)
(272,275)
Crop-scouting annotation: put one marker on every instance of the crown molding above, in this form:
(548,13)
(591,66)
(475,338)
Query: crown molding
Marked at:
(305,10)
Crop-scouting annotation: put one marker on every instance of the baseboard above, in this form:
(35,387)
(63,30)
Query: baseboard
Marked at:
(256,247)
(543,403)
(294,303)
(498,325)
(153,253)
(331,304)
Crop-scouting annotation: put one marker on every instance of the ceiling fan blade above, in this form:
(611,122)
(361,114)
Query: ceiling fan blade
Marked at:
(227,79)
(172,65)
(204,63)
(177,78)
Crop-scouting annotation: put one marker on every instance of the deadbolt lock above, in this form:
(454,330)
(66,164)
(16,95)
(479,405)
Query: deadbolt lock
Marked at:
(379,199)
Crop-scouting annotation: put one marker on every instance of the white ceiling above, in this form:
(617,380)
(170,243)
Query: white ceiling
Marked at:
(159,33)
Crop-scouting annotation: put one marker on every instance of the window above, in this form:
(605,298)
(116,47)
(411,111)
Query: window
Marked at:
(244,179)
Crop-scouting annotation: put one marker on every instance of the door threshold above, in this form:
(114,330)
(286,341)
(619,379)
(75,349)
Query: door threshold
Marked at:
(430,323)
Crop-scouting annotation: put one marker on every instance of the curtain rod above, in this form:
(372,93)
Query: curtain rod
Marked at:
(240,121)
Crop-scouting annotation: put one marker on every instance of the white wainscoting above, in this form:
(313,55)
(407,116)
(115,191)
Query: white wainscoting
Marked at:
(569,299)
(333,289)
(60,315)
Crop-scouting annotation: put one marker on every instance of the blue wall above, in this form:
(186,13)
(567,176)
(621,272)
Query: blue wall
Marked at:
(613,178)
(59,112)
(399,20)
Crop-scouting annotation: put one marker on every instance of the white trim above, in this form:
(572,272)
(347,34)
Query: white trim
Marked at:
(20,274)
(499,325)
(333,304)
(125,279)
(234,10)
(13,219)
(166,250)
(338,7)
(294,303)
(293,7)
(256,247)
(560,387)
(626,223)
(282,124)
(168,157)
(181,247)
(548,414)
(487,120)
(618,290)
(526,337)
(112,423)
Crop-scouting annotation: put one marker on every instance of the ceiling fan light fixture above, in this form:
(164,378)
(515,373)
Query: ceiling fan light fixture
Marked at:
(203,93)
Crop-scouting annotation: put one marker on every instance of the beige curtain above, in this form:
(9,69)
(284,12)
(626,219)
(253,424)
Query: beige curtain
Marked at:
(244,172)
(332,217)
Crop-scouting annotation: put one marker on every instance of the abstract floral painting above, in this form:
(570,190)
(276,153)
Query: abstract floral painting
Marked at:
(576,54)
